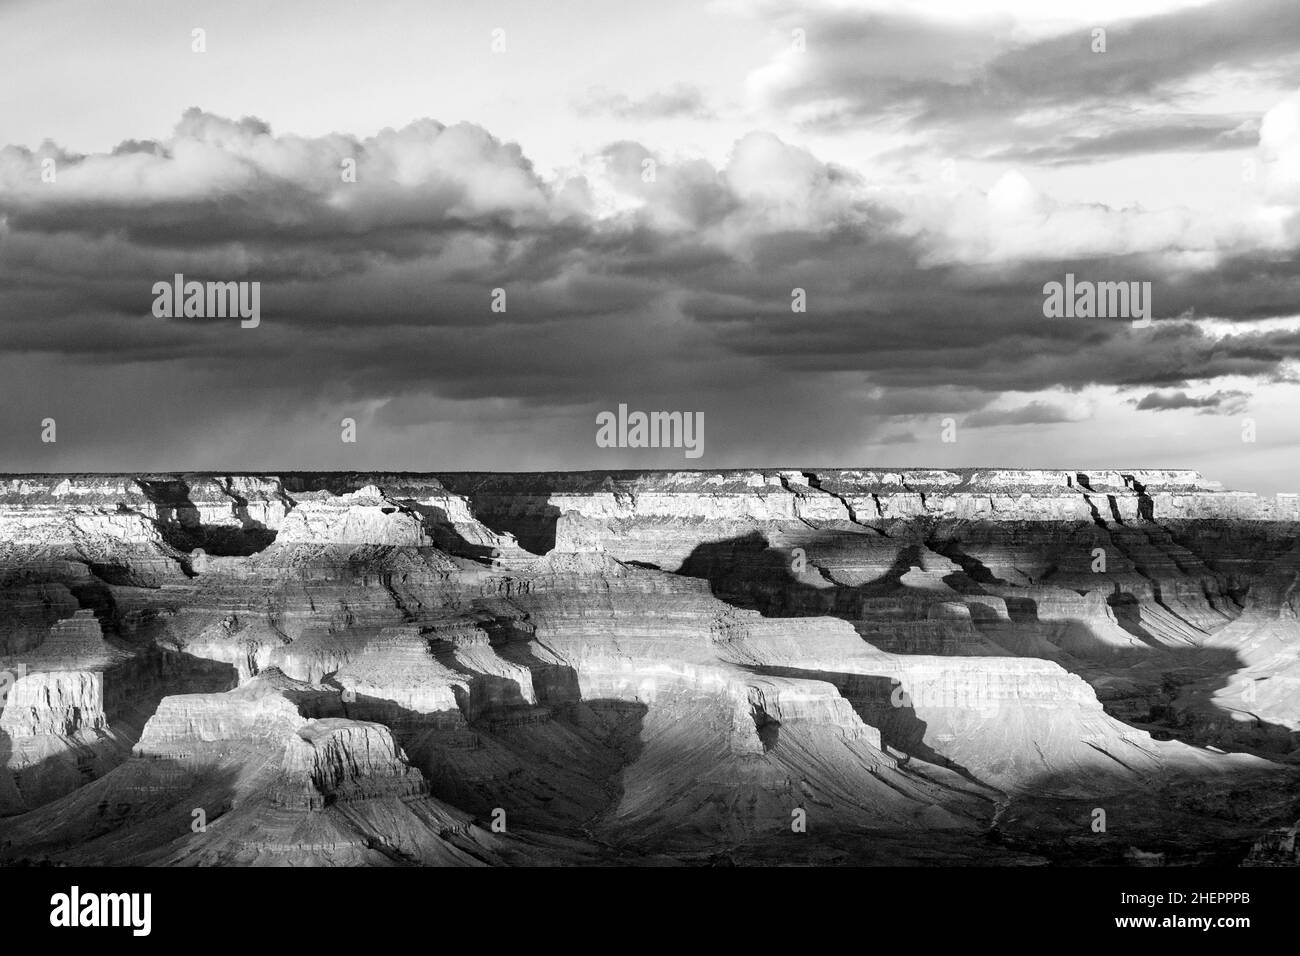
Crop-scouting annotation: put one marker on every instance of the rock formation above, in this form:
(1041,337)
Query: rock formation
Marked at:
(755,665)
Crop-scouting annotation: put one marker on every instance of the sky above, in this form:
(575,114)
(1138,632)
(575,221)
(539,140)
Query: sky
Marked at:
(650,186)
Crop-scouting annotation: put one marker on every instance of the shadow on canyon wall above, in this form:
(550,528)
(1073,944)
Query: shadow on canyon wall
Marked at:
(880,703)
(132,691)
(181,526)
(534,530)
(134,688)
(1184,819)
(439,526)
(747,572)
(132,813)
(556,763)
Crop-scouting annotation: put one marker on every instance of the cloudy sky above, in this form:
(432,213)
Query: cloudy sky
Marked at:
(649,183)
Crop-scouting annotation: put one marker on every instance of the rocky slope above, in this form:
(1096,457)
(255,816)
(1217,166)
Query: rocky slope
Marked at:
(750,666)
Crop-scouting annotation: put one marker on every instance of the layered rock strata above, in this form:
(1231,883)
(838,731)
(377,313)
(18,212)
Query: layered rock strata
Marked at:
(830,666)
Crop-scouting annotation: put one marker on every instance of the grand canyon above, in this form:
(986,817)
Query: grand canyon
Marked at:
(749,666)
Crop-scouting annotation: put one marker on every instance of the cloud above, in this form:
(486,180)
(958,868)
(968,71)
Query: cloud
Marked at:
(680,101)
(1144,134)
(1225,402)
(673,290)
(897,438)
(1034,413)
(220,179)
(985,86)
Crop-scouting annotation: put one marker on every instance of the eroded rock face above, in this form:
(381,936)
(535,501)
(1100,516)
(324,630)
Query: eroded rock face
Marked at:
(362,517)
(339,759)
(59,703)
(55,737)
(189,722)
(1276,849)
(367,669)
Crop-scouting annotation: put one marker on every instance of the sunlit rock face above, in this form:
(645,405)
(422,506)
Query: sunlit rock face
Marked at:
(752,666)
(56,737)
(338,759)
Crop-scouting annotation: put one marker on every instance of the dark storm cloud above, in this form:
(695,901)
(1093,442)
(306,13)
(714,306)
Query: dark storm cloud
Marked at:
(1224,402)
(871,307)
(377,294)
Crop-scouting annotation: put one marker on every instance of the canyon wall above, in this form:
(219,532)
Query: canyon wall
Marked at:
(757,665)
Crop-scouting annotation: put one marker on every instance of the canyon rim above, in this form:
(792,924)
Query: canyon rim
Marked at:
(769,665)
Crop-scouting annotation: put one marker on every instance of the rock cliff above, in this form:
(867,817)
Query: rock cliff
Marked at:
(765,665)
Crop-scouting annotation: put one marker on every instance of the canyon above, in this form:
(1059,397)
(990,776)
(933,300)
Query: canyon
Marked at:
(741,667)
